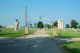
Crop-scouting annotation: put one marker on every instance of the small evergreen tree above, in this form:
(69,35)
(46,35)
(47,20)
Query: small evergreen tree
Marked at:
(67,26)
(74,24)
(48,26)
(55,24)
(40,24)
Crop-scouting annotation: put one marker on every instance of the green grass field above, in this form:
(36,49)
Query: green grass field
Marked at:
(7,32)
(68,33)
(72,47)
(64,33)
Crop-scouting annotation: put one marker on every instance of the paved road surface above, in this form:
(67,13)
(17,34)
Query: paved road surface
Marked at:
(40,42)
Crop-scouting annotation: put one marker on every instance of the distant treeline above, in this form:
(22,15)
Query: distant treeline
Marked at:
(2,26)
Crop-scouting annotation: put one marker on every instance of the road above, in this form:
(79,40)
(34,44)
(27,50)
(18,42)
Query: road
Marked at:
(40,42)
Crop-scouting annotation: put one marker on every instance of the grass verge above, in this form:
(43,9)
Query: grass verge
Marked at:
(68,34)
(72,47)
(7,32)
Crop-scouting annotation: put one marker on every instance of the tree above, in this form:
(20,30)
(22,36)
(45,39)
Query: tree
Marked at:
(31,25)
(74,24)
(48,26)
(55,24)
(1,28)
(79,26)
(67,26)
(40,24)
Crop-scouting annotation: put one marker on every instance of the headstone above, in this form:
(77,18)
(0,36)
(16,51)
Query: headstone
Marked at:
(60,24)
(16,25)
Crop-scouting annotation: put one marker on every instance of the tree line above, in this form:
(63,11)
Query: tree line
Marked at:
(72,24)
(40,24)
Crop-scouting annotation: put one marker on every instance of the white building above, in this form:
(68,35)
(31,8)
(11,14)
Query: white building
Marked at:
(60,24)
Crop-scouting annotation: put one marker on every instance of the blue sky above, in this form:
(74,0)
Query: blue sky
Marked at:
(51,9)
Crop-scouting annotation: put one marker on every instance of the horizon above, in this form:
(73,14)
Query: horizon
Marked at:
(50,10)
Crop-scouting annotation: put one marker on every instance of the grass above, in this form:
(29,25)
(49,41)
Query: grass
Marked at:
(7,32)
(64,33)
(68,33)
(72,47)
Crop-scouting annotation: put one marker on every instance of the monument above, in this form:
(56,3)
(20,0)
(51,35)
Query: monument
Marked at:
(16,27)
(60,24)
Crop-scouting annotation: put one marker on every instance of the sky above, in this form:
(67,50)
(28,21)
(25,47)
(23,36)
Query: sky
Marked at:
(49,10)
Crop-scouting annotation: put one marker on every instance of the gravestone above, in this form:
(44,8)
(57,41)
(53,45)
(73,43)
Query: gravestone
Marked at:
(16,27)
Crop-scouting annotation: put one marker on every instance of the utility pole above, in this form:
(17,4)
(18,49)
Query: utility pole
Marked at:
(26,22)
